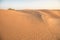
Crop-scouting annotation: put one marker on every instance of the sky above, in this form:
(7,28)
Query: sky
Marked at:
(30,4)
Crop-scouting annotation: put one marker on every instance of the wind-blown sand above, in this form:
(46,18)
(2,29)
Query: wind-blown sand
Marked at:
(16,25)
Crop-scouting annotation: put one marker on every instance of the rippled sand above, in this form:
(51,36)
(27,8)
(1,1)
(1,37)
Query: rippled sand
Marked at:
(16,25)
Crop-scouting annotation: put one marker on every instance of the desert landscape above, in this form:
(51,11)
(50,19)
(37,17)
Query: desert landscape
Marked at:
(29,24)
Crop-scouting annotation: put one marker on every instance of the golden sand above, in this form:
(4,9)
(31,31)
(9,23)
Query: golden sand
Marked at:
(16,25)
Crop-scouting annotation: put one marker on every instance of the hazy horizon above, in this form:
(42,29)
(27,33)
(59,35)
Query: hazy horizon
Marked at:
(30,4)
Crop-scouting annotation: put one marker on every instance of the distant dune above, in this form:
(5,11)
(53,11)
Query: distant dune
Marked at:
(30,24)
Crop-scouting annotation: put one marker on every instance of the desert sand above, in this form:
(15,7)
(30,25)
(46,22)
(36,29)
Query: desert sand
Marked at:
(29,25)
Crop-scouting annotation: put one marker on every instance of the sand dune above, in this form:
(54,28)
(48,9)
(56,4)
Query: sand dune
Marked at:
(21,25)
(52,18)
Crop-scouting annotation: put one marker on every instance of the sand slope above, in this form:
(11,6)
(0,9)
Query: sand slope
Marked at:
(22,26)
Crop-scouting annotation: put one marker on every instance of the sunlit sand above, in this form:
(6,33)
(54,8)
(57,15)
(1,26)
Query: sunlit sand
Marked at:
(29,25)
